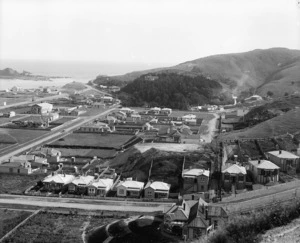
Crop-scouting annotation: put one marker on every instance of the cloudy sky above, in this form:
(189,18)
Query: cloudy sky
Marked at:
(156,31)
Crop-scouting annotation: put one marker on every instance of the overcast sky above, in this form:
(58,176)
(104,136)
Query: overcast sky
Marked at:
(148,31)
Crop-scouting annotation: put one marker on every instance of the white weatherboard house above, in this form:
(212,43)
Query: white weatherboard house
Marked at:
(157,189)
(100,187)
(195,180)
(130,188)
(284,159)
(57,181)
(234,175)
(79,184)
(264,171)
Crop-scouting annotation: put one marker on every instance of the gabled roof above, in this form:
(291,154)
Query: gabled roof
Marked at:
(83,180)
(264,164)
(45,105)
(194,172)
(284,154)
(132,184)
(59,178)
(102,183)
(158,185)
(235,169)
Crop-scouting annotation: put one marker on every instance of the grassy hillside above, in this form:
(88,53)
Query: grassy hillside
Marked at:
(286,123)
(276,70)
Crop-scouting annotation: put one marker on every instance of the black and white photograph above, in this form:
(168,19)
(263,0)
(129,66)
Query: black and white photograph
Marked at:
(149,121)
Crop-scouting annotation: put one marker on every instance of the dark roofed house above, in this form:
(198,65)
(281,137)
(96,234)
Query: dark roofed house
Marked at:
(169,134)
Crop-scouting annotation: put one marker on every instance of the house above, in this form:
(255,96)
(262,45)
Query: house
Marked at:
(77,112)
(79,184)
(55,182)
(41,108)
(23,168)
(154,110)
(35,161)
(126,110)
(264,171)
(96,127)
(284,159)
(169,134)
(100,187)
(129,188)
(114,88)
(198,223)
(107,99)
(47,90)
(234,177)
(188,117)
(157,189)
(98,105)
(195,180)
(52,155)
(167,111)
(176,217)
(134,118)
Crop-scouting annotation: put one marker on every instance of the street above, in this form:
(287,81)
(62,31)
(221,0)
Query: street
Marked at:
(87,204)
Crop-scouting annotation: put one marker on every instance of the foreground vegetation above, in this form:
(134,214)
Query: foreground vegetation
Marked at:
(10,219)
(248,228)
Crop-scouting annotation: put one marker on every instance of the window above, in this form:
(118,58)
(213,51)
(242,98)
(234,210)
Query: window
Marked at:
(121,191)
(227,177)
(202,188)
(241,178)
(262,172)
(215,224)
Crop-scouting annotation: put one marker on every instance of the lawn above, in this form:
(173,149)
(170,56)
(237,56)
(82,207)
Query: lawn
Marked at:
(11,183)
(93,111)
(92,140)
(62,120)
(23,135)
(10,219)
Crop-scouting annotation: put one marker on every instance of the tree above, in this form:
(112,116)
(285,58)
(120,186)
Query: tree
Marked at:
(270,93)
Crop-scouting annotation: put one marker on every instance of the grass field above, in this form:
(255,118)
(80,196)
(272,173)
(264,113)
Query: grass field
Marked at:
(93,140)
(10,219)
(12,183)
(62,120)
(22,135)
(93,111)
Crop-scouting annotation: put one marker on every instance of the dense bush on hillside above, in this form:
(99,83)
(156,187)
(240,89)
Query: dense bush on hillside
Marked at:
(170,90)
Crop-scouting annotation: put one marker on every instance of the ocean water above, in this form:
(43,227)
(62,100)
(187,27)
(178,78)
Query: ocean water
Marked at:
(75,70)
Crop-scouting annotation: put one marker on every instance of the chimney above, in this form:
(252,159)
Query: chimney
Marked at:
(258,161)
(279,151)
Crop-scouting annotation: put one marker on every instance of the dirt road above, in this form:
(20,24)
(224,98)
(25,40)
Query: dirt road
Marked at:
(87,204)
(209,133)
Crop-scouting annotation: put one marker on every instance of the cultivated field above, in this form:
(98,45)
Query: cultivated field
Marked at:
(4,120)
(22,135)
(12,183)
(172,147)
(88,153)
(10,219)
(92,140)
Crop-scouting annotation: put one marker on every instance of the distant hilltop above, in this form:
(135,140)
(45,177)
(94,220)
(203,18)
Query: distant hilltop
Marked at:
(9,73)
(274,71)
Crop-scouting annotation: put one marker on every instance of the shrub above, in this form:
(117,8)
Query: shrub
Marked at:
(246,228)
